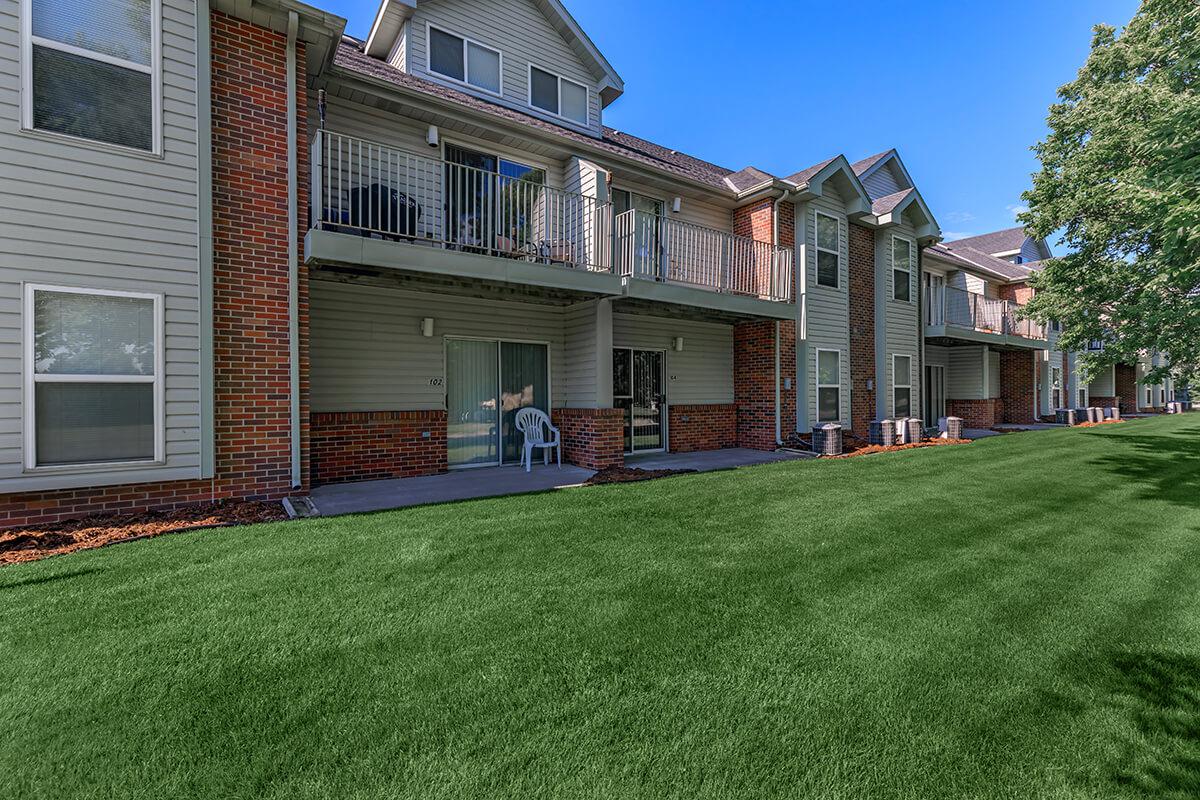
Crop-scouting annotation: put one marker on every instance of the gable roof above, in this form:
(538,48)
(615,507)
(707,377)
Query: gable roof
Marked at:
(887,204)
(1004,241)
(392,14)
(805,174)
(969,257)
(868,164)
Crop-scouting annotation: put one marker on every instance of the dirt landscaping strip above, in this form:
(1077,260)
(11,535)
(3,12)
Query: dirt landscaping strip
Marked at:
(631,474)
(870,449)
(99,530)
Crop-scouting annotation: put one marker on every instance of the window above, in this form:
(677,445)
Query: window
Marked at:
(1082,398)
(1056,385)
(463,60)
(557,95)
(828,250)
(93,376)
(829,385)
(901,386)
(1149,397)
(91,70)
(902,269)
(1055,326)
(1018,259)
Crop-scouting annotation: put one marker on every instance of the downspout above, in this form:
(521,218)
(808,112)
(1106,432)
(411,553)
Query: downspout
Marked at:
(292,240)
(775,243)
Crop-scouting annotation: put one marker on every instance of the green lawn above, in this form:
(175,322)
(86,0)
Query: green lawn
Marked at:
(1016,618)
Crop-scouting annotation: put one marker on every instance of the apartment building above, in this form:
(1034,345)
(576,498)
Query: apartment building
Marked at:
(297,258)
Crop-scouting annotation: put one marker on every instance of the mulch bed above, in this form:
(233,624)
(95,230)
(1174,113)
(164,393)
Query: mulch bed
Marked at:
(855,446)
(631,474)
(52,539)
(1098,424)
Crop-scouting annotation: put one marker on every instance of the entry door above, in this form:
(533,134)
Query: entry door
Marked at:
(487,383)
(935,394)
(638,389)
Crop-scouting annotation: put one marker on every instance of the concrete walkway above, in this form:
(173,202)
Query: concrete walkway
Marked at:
(467,484)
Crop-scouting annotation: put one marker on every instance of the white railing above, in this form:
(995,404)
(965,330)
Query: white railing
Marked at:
(650,247)
(974,311)
(371,189)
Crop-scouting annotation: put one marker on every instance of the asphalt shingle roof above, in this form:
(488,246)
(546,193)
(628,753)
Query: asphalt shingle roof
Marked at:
(969,257)
(885,204)
(996,242)
(860,167)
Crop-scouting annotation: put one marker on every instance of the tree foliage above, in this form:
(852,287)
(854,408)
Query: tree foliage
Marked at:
(1120,177)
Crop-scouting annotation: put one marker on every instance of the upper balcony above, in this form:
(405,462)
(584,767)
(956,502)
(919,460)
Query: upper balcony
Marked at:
(381,206)
(955,314)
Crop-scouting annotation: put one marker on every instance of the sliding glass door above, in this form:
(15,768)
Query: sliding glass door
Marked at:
(638,389)
(492,203)
(487,383)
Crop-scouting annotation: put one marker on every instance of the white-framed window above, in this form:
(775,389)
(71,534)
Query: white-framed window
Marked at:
(903,253)
(829,251)
(1056,386)
(558,95)
(901,386)
(93,377)
(464,60)
(92,70)
(829,385)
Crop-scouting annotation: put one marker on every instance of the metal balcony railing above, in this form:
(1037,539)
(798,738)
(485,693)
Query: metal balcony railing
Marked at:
(372,189)
(961,309)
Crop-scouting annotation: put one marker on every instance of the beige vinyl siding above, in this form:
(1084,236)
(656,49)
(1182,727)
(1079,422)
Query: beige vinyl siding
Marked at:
(368,354)
(584,356)
(882,182)
(398,58)
(964,377)
(702,372)
(902,334)
(993,374)
(936,356)
(522,34)
(1105,383)
(696,212)
(965,281)
(79,214)
(828,309)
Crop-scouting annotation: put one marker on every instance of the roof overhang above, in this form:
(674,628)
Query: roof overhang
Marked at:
(319,30)
(392,15)
(838,174)
(913,206)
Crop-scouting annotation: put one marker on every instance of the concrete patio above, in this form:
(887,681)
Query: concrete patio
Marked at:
(468,484)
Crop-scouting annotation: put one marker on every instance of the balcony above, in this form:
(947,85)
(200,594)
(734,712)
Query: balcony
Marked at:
(401,209)
(955,314)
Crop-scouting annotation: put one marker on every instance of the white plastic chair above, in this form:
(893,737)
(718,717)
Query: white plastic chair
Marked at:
(535,425)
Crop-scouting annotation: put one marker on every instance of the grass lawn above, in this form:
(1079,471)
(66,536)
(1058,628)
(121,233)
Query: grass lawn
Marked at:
(1016,618)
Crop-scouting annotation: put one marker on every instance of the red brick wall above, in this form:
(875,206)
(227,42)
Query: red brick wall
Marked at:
(757,220)
(591,437)
(702,427)
(975,413)
(754,381)
(1020,293)
(1125,376)
(754,220)
(862,328)
(1017,387)
(366,445)
(250,291)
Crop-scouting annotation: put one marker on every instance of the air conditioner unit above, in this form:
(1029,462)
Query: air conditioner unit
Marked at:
(883,432)
(827,439)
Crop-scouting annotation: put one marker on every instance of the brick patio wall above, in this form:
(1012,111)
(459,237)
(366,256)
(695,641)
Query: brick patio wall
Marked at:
(591,437)
(702,427)
(754,381)
(975,413)
(1018,390)
(250,292)
(368,445)
(862,328)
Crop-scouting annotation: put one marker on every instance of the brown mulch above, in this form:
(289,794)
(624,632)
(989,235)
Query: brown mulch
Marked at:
(1097,424)
(56,538)
(878,448)
(631,474)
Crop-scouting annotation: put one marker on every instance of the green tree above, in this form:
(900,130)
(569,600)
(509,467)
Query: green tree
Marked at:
(1120,177)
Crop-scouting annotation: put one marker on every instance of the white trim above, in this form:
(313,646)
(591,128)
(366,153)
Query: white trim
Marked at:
(912,256)
(820,386)
(897,385)
(30,378)
(587,96)
(154,70)
(818,250)
(466,78)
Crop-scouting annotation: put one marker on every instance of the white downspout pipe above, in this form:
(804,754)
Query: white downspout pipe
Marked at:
(778,393)
(292,240)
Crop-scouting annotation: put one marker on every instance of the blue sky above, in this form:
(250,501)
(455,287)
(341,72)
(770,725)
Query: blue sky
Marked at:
(961,88)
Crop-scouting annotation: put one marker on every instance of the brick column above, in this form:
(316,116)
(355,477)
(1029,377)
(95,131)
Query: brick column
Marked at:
(1017,389)
(591,437)
(702,427)
(754,383)
(862,328)
(1125,378)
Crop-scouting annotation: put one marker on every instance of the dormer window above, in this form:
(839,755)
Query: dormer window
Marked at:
(557,95)
(461,59)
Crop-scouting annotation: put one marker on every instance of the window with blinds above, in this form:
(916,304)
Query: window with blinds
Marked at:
(91,70)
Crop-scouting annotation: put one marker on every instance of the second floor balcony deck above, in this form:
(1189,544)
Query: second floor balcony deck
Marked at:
(370,190)
(956,314)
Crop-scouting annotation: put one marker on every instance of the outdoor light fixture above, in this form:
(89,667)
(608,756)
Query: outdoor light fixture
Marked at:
(678,343)
(427,327)
(431,136)
(676,204)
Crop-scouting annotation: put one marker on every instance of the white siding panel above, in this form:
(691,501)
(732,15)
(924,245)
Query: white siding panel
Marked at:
(702,372)
(82,215)
(964,378)
(828,309)
(902,333)
(368,353)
